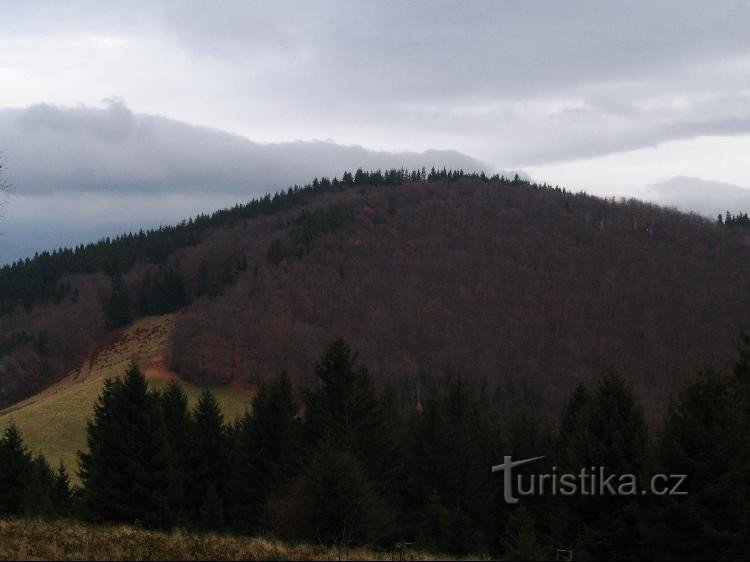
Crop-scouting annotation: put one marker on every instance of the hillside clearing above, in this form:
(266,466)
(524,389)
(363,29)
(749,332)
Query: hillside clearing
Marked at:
(53,422)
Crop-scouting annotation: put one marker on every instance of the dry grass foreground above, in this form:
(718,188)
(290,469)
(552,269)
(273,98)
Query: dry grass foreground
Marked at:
(64,540)
(53,422)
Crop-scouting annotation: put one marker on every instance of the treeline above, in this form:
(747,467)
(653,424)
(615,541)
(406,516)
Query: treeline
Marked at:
(739,219)
(306,228)
(344,464)
(42,278)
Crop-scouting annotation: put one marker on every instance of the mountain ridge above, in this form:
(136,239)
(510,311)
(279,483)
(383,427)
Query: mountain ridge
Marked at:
(530,288)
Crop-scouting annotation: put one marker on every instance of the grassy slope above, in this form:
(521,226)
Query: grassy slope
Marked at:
(53,422)
(62,540)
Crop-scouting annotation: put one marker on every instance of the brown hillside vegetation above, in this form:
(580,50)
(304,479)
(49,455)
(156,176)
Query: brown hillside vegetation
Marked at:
(526,288)
(62,540)
(531,289)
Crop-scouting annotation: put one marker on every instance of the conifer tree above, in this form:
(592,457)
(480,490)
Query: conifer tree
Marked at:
(39,488)
(338,503)
(266,454)
(453,448)
(118,306)
(62,496)
(521,539)
(177,420)
(612,435)
(15,470)
(344,412)
(126,472)
(209,463)
(704,437)
(344,422)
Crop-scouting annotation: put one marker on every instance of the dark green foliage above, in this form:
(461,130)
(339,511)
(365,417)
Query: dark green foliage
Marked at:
(118,306)
(13,341)
(454,446)
(705,437)
(339,501)
(208,463)
(39,489)
(162,293)
(608,431)
(266,452)
(740,220)
(276,253)
(311,225)
(306,228)
(363,468)
(344,424)
(62,495)
(15,470)
(127,471)
(178,423)
(522,539)
(211,513)
(344,411)
(28,485)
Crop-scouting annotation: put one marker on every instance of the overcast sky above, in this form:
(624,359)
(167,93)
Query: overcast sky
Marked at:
(156,109)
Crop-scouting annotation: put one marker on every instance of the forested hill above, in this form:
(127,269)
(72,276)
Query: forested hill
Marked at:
(530,288)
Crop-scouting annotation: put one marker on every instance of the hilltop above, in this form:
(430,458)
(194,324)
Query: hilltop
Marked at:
(529,288)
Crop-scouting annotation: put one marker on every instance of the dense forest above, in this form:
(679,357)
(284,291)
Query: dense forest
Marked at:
(534,287)
(342,463)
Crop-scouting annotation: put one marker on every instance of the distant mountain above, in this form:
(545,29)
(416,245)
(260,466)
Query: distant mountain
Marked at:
(526,287)
(701,196)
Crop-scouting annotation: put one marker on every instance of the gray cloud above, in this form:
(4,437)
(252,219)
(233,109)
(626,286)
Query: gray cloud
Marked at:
(81,173)
(518,83)
(113,150)
(701,196)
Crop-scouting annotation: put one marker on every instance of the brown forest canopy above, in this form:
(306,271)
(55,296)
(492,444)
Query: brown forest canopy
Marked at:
(527,287)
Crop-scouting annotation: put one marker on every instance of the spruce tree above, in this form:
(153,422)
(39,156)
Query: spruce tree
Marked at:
(344,411)
(613,435)
(177,420)
(266,454)
(39,489)
(453,448)
(208,469)
(344,422)
(338,502)
(126,471)
(118,306)
(521,539)
(15,471)
(704,437)
(62,496)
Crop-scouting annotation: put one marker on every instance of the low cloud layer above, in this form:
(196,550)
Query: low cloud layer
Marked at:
(113,150)
(706,197)
(80,173)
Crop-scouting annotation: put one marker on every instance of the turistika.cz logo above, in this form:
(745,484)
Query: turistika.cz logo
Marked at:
(590,481)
